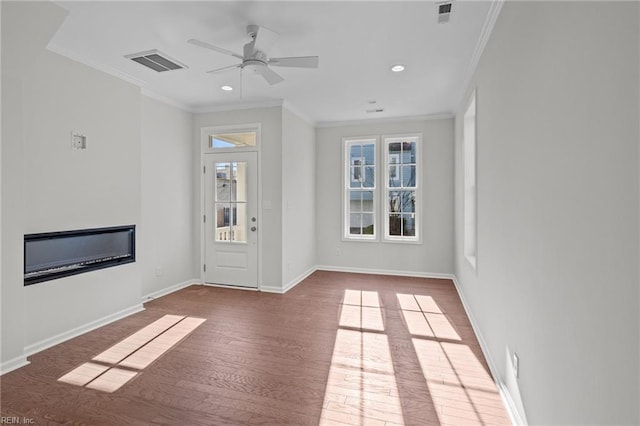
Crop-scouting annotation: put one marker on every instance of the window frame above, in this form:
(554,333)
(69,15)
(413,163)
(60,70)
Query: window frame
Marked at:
(385,188)
(470,181)
(347,142)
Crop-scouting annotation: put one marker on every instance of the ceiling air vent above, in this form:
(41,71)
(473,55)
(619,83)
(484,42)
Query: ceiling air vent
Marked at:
(156,60)
(444,12)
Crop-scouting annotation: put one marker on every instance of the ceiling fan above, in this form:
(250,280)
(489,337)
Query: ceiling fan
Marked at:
(255,58)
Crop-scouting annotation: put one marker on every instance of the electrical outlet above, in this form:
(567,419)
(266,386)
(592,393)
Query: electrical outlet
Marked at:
(515,364)
(158,271)
(78,141)
(338,252)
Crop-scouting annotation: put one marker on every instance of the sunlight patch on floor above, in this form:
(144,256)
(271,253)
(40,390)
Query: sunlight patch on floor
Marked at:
(361,387)
(135,353)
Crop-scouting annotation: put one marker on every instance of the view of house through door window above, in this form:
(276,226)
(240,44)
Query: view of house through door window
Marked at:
(231,202)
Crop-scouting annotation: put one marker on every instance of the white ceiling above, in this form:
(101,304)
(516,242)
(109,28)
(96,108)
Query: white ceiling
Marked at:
(357,43)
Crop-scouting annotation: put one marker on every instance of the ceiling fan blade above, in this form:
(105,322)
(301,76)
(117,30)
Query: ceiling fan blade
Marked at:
(218,70)
(214,48)
(264,39)
(271,76)
(298,62)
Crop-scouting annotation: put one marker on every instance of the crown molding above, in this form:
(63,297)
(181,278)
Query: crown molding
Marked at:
(485,33)
(165,100)
(234,106)
(296,111)
(95,65)
(386,120)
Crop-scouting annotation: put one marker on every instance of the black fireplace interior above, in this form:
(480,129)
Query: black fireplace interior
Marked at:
(53,255)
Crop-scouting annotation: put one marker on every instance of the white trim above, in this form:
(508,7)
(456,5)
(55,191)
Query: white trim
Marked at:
(271,289)
(75,332)
(95,65)
(297,112)
(297,280)
(160,98)
(485,33)
(232,287)
(435,275)
(13,364)
(387,120)
(514,414)
(236,106)
(170,289)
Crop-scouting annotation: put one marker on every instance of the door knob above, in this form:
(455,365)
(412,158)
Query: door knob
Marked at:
(253,228)
(253,219)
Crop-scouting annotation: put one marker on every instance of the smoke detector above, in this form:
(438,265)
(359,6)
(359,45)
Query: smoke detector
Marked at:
(156,60)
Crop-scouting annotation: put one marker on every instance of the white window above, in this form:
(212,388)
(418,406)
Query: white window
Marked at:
(470,194)
(401,188)
(390,186)
(360,198)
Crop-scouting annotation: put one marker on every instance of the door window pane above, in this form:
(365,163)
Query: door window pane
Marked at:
(231,202)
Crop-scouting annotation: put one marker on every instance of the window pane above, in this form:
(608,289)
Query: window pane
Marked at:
(367,201)
(239,182)
(369,177)
(409,176)
(223,175)
(407,201)
(368,152)
(232,140)
(408,153)
(223,219)
(239,222)
(355,152)
(394,201)
(355,175)
(394,175)
(395,148)
(355,201)
(367,223)
(408,225)
(355,221)
(395,225)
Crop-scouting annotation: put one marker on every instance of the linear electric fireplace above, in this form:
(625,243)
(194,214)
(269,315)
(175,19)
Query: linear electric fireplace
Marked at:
(53,255)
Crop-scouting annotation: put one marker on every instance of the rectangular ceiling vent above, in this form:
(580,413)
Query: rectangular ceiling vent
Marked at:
(156,60)
(444,12)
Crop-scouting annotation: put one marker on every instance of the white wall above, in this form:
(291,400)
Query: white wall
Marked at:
(271,184)
(68,189)
(435,255)
(26,29)
(167,198)
(298,198)
(557,278)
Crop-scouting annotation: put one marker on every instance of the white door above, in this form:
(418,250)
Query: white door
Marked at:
(231,219)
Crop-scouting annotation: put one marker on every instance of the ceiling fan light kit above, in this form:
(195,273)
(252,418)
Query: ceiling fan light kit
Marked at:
(255,58)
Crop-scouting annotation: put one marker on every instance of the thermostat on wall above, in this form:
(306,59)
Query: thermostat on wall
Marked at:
(78,141)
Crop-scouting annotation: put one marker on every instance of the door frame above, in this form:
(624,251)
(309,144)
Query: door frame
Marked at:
(205,149)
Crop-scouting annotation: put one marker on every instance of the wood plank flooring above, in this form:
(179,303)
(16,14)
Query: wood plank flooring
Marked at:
(338,349)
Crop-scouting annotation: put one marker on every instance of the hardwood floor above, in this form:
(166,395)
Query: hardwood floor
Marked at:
(337,349)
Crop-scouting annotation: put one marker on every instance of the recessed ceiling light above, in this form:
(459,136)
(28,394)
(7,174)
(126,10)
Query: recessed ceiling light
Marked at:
(397,68)
(226,88)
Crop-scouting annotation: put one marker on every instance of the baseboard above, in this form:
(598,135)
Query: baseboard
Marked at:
(297,280)
(63,337)
(435,275)
(513,412)
(13,364)
(169,290)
